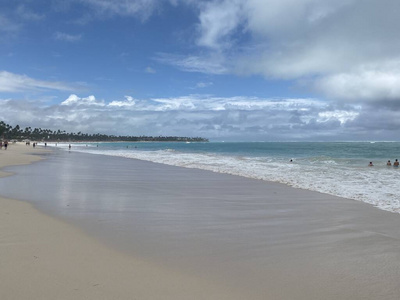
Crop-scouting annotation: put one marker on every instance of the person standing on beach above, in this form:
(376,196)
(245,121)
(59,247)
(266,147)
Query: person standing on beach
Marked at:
(396,163)
(69,147)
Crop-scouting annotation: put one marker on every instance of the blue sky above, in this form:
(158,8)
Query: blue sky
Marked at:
(261,70)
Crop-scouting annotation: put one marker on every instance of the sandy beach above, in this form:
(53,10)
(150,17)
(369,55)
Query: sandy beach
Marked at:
(45,258)
(148,231)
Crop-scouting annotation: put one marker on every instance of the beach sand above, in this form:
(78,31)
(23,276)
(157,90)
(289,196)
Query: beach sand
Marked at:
(218,237)
(45,258)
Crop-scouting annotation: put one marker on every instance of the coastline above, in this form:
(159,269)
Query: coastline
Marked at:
(19,154)
(339,169)
(221,237)
(45,258)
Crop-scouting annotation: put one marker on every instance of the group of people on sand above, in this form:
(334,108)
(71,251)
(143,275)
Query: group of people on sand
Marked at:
(395,164)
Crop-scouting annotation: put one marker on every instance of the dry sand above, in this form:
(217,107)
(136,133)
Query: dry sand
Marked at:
(45,258)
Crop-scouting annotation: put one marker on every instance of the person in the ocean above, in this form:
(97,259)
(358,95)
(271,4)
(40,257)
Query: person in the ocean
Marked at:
(396,163)
(388,163)
(371,164)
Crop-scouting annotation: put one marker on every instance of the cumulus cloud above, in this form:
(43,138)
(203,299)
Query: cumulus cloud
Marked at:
(233,118)
(342,49)
(128,102)
(337,115)
(74,100)
(370,85)
(10,82)
(345,49)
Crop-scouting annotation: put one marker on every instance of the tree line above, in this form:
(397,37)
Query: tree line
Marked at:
(9,132)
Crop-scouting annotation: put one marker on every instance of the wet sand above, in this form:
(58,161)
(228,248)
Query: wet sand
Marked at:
(216,236)
(45,258)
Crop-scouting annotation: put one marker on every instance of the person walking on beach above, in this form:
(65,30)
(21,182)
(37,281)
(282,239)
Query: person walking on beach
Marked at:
(396,163)
(5,145)
(69,147)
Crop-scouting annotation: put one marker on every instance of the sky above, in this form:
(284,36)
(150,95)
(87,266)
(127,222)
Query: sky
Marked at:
(237,70)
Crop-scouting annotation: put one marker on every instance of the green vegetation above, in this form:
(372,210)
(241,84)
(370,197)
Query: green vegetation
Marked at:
(39,134)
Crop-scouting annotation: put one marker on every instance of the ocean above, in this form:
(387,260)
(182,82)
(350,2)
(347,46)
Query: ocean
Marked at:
(336,168)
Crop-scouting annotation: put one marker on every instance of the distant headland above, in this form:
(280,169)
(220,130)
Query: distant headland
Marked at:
(38,134)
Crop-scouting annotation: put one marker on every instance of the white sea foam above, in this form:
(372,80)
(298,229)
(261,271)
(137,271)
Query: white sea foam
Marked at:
(377,186)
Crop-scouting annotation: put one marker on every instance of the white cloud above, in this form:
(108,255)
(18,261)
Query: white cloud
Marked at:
(61,36)
(346,50)
(218,20)
(339,46)
(341,115)
(74,100)
(129,102)
(10,82)
(237,118)
(370,85)
(201,103)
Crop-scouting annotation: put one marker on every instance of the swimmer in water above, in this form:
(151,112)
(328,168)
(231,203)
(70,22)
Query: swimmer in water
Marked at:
(388,163)
(371,164)
(396,163)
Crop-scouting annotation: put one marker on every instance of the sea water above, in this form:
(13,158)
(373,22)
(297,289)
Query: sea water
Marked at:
(336,168)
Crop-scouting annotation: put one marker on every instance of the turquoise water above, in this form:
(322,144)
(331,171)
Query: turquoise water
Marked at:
(351,150)
(337,168)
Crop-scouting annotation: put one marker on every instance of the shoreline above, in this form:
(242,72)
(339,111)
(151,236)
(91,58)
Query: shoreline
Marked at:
(204,235)
(338,169)
(18,154)
(43,257)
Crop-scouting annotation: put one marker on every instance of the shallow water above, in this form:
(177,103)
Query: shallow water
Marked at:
(339,169)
